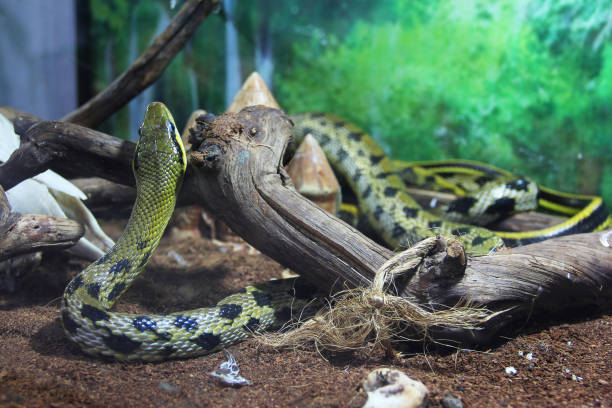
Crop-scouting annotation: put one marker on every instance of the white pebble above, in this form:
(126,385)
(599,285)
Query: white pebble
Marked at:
(511,370)
(178,258)
(389,388)
(229,372)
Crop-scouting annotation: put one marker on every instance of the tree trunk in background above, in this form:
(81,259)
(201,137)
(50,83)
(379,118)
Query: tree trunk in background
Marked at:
(264,57)
(233,76)
(138,105)
(85,54)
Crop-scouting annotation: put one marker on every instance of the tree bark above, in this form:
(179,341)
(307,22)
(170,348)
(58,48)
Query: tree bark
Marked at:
(147,68)
(25,233)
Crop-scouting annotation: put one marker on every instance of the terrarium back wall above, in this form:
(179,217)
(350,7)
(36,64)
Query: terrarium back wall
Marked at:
(522,84)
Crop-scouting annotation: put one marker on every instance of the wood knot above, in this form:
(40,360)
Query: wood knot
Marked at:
(207,156)
(448,262)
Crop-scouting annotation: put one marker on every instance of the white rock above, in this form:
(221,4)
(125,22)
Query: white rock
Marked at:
(389,388)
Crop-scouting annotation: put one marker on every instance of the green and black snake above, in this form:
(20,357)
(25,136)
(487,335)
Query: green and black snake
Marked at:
(159,165)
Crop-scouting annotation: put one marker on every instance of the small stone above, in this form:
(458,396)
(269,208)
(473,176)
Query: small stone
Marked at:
(511,370)
(165,386)
(389,388)
(450,401)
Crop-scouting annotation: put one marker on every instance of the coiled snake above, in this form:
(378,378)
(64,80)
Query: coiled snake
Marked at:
(158,166)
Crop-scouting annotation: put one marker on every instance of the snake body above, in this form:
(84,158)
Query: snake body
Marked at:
(159,165)
(486,192)
(475,181)
(395,216)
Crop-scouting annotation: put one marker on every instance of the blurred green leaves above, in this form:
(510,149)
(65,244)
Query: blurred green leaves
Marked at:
(525,85)
(522,84)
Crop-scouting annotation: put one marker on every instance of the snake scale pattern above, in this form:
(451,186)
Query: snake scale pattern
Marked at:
(395,216)
(159,165)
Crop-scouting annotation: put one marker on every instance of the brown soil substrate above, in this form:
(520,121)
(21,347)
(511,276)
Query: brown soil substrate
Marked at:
(571,361)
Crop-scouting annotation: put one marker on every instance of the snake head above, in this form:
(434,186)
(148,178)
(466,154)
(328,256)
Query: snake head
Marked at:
(159,143)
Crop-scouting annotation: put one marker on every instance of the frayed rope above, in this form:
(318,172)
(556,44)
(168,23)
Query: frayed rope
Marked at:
(369,317)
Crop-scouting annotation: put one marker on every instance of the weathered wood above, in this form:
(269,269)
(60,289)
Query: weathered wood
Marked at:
(236,173)
(71,150)
(22,121)
(239,176)
(25,233)
(147,68)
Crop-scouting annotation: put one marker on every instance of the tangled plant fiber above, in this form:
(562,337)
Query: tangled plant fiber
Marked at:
(369,317)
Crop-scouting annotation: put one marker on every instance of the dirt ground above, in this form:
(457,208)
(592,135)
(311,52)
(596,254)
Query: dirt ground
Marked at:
(559,360)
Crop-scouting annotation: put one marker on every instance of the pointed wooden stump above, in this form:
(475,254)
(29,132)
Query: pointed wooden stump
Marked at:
(313,177)
(253,92)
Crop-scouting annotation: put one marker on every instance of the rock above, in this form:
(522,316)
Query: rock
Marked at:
(167,387)
(389,388)
(450,401)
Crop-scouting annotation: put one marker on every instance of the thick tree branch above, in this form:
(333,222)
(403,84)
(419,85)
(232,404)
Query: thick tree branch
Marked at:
(236,173)
(71,150)
(147,68)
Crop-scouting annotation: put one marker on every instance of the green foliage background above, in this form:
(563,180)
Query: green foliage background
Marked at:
(522,84)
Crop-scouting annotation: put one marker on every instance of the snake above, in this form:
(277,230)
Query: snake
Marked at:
(159,165)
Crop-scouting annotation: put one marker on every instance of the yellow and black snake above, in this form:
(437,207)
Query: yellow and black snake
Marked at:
(159,165)
(486,192)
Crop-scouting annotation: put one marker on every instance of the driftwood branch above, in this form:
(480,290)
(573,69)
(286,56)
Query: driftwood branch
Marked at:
(25,233)
(238,174)
(72,151)
(147,68)
(105,198)
(22,121)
